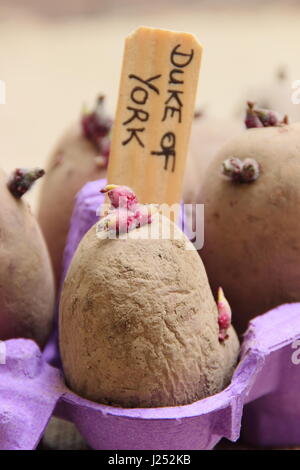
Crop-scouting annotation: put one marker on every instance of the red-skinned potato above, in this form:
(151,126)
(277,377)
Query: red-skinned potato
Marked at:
(80,156)
(252,227)
(26,277)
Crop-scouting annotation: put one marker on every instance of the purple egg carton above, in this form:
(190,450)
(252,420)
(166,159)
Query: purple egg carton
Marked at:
(272,415)
(263,394)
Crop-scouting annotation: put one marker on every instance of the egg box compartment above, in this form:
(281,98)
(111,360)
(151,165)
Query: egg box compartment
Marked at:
(263,394)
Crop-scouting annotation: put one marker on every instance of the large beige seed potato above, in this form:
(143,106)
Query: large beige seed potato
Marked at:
(252,231)
(138,323)
(26,277)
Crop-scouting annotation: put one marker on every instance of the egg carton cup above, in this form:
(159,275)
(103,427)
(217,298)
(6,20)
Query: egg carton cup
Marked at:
(263,394)
(272,416)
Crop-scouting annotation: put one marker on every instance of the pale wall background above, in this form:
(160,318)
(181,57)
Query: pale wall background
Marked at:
(54,58)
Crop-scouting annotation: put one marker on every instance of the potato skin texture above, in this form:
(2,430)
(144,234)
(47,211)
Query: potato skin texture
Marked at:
(252,231)
(71,165)
(26,277)
(207,137)
(138,324)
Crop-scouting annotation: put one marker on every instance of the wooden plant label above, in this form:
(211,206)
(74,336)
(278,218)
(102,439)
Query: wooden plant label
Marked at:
(154,113)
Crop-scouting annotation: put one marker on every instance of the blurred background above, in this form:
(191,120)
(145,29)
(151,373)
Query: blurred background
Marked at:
(56,56)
